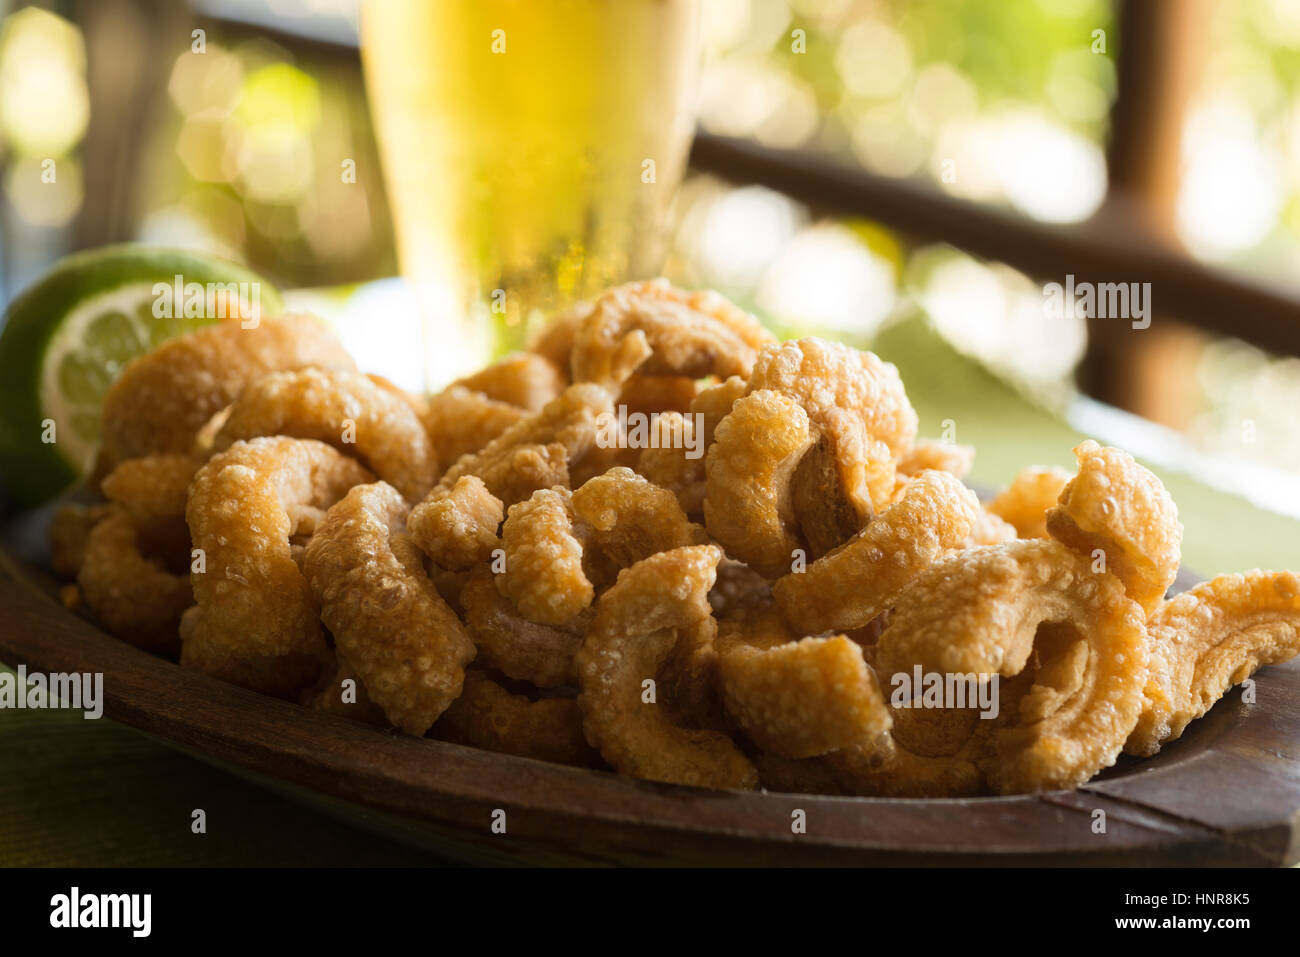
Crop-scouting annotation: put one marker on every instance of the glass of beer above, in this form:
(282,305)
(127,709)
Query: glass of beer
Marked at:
(531,150)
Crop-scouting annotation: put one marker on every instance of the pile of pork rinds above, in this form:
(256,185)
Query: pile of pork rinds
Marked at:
(660,542)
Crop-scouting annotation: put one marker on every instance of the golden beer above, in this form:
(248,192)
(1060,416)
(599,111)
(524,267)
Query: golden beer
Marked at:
(531,150)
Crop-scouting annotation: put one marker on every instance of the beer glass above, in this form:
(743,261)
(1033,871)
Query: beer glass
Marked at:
(531,149)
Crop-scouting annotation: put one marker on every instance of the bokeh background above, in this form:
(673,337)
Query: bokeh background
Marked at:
(237,150)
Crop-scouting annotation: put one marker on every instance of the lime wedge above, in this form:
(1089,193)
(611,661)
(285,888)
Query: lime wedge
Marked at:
(68,336)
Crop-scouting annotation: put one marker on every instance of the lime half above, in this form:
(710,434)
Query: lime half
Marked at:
(68,336)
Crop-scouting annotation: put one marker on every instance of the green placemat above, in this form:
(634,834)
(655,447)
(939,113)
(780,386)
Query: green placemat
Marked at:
(95,793)
(77,792)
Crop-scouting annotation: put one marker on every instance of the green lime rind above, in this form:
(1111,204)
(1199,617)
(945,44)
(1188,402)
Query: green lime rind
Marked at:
(33,471)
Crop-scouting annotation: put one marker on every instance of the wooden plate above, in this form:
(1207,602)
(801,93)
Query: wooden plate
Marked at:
(1228,792)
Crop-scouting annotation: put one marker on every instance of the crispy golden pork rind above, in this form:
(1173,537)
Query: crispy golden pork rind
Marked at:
(457,526)
(886,769)
(524,379)
(70,528)
(650,394)
(625,518)
(754,454)
(1116,505)
(519,648)
(560,546)
(831,467)
(655,606)
(656,329)
(850,586)
(990,530)
(538,451)
(938,455)
(544,576)
(554,340)
(386,616)
(1206,640)
(131,594)
(797,698)
(854,399)
(978,613)
(1026,501)
(152,488)
(680,466)
(340,408)
(489,716)
(461,422)
(342,692)
(164,397)
(256,621)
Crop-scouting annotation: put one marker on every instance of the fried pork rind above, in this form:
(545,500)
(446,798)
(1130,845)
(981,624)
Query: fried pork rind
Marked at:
(797,775)
(340,408)
(460,421)
(600,460)
(519,648)
(656,329)
(135,597)
(152,488)
(850,586)
(309,578)
(657,608)
(524,379)
(625,519)
(70,528)
(886,769)
(938,455)
(1025,502)
(256,621)
(854,399)
(561,546)
(163,398)
(201,447)
(519,471)
(824,516)
(1118,506)
(797,698)
(830,467)
(131,568)
(488,716)
(668,466)
(716,401)
(544,576)
(649,394)
(554,340)
(418,403)
(1206,640)
(538,451)
(737,589)
(386,616)
(990,530)
(747,506)
(671,465)
(333,693)
(457,526)
(978,612)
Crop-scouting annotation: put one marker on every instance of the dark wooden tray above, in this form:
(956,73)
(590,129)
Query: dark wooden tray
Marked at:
(1228,792)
